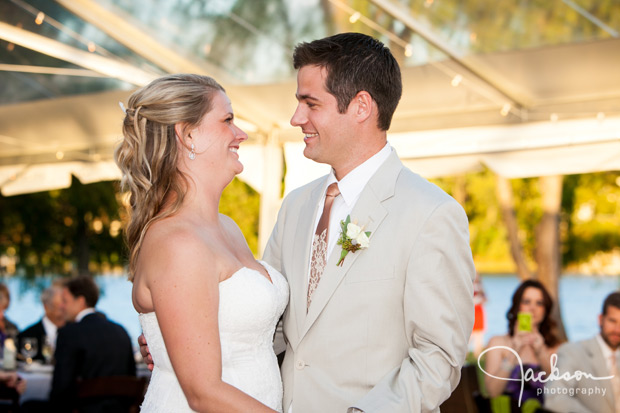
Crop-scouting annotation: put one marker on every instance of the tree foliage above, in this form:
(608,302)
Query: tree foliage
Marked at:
(47,231)
(52,232)
(589,221)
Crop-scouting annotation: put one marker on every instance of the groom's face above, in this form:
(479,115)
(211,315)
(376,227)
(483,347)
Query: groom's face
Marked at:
(325,129)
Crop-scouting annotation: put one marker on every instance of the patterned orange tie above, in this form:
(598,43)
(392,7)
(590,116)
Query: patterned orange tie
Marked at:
(319,243)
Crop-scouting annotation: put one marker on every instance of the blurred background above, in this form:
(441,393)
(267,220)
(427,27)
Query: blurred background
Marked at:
(513,110)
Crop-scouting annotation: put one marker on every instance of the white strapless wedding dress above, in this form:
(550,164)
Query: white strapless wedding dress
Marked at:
(250,307)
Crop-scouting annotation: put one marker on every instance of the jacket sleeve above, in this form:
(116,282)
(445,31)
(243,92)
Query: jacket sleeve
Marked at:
(273,256)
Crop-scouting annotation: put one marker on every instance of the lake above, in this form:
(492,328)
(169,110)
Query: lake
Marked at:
(581,298)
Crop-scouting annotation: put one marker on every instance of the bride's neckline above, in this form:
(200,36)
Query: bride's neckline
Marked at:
(266,277)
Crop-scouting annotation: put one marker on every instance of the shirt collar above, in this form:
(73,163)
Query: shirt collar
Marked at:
(607,351)
(49,327)
(84,313)
(353,183)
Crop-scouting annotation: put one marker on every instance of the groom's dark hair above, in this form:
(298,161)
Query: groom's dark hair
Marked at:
(355,62)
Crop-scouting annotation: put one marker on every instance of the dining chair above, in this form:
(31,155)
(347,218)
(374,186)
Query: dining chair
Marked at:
(122,394)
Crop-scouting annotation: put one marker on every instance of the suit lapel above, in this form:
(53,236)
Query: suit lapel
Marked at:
(303,234)
(599,367)
(369,212)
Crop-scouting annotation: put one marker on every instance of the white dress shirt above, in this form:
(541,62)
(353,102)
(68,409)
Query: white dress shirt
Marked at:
(351,187)
(84,313)
(50,331)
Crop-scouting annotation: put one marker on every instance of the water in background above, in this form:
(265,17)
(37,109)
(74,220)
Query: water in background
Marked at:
(581,299)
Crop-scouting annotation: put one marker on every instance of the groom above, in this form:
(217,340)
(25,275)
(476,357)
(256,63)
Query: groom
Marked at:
(387,329)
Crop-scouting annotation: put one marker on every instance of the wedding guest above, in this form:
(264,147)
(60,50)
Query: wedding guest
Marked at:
(7,328)
(534,347)
(13,380)
(12,385)
(599,357)
(89,346)
(44,331)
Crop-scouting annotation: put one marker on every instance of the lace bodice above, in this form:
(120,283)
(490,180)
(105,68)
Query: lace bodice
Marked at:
(250,307)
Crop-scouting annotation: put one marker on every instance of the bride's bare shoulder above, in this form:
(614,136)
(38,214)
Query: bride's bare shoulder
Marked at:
(174,244)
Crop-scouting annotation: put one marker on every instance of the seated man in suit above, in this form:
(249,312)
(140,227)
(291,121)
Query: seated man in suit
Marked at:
(598,357)
(92,346)
(44,331)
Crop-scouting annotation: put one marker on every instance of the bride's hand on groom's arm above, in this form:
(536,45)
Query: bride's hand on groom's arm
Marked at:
(146,354)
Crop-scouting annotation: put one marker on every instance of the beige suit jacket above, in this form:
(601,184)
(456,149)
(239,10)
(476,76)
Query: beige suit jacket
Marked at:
(584,395)
(388,330)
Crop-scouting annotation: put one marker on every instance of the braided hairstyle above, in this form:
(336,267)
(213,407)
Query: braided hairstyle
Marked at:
(148,153)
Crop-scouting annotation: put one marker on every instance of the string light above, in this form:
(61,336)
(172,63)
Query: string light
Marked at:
(357,16)
(456,80)
(554,117)
(60,155)
(505,109)
(600,116)
(40,18)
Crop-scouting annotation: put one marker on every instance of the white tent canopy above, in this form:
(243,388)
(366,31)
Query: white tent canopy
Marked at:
(546,110)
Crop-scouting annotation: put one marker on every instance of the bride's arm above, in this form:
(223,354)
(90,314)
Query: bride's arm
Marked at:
(183,280)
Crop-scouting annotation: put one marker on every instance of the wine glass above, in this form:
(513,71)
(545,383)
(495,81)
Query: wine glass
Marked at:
(29,348)
(46,350)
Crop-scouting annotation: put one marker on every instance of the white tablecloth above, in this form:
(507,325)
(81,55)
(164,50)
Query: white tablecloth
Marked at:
(38,381)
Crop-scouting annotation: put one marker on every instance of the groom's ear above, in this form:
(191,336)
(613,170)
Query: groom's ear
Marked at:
(363,105)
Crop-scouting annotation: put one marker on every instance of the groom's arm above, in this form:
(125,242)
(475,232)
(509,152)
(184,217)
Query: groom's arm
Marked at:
(439,316)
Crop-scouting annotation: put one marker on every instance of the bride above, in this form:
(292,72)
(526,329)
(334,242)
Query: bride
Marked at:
(208,309)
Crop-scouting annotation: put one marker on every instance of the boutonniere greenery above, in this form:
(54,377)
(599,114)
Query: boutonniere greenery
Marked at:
(352,238)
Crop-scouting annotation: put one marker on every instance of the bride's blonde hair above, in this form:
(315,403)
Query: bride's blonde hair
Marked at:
(148,154)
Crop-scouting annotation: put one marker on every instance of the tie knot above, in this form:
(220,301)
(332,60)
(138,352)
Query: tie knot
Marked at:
(332,190)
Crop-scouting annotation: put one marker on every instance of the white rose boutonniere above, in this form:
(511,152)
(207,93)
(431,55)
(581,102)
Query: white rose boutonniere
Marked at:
(352,238)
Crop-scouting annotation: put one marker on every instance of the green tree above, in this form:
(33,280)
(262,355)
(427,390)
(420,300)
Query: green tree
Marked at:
(62,231)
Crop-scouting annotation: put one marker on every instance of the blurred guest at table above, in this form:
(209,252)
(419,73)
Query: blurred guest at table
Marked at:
(534,345)
(92,346)
(7,328)
(11,387)
(44,331)
(598,356)
(12,380)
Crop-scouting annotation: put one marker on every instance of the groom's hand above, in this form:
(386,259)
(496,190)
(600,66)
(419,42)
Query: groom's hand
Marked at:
(146,354)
